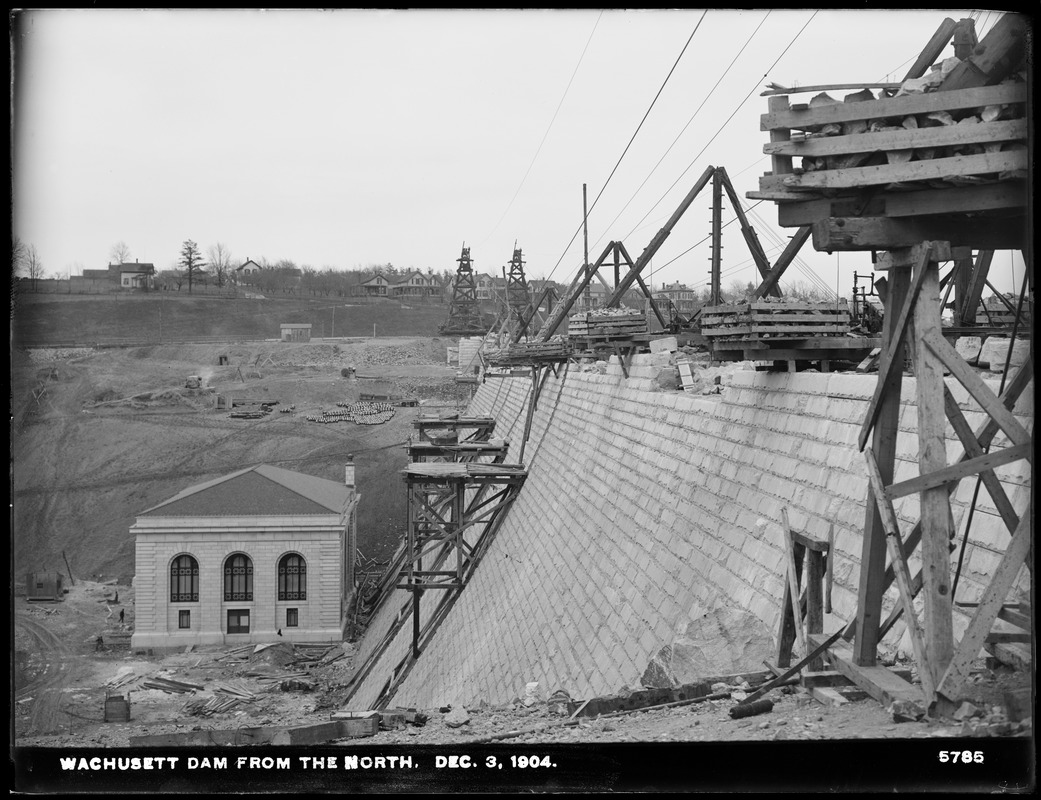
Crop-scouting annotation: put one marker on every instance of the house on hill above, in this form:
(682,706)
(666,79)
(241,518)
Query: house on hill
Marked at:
(250,557)
(126,275)
(416,284)
(411,285)
(249,268)
(377,286)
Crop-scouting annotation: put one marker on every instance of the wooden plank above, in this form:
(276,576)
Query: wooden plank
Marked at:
(1002,48)
(778,106)
(942,136)
(793,586)
(1006,638)
(879,682)
(1014,617)
(725,352)
(830,576)
(833,678)
(977,282)
(767,320)
(777,331)
(972,450)
(934,502)
(825,87)
(980,392)
(828,697)
(903,578)
(987,611)
(800,212)
(820,644)
(956,472)
(781,305)
(786,623)
(851,343)
(933,49)
(780,118)
(770,280)
(883,233)
(928,170)
(816,545)
(892,353)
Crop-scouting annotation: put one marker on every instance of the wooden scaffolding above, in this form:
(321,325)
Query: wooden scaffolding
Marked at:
(878,176)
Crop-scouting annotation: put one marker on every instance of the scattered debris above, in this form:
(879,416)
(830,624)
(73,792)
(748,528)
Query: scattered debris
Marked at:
(456,718)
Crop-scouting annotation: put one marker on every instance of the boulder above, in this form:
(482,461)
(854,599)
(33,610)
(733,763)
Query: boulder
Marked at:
(724,641)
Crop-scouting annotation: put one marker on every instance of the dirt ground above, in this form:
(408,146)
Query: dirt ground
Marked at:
(99,435)
(62,681)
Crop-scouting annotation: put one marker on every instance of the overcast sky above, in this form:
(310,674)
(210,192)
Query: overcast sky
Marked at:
(350,138)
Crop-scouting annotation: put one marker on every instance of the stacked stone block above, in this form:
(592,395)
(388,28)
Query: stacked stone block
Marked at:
(644,509)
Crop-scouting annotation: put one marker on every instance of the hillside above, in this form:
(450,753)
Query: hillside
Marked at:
(41,319)
(99,435)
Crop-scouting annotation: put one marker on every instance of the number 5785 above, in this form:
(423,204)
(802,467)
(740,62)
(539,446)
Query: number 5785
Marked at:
(962,756)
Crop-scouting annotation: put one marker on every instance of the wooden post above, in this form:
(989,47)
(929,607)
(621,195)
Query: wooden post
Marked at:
(962,274)
(717,243)
(71,580)
(795,554)
(815,600)
(935,504)
(883,447)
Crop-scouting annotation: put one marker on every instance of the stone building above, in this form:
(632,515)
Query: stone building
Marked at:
(256,554)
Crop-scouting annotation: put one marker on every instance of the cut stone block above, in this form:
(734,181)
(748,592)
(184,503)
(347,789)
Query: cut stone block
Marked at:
(995,351)
(968,347)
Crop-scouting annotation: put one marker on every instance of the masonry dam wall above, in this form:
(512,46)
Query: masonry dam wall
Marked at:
(646,542)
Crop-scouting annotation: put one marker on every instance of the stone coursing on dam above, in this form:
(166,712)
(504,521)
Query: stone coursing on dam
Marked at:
(645,511)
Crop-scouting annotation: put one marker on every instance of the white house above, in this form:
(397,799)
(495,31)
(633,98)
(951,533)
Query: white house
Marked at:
(241,559)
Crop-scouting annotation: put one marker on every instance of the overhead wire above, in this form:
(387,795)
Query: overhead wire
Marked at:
(548,128)
(719,130)
(687,124)
(631,140)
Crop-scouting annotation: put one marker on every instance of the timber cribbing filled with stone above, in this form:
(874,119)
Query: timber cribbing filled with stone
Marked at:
(645,510)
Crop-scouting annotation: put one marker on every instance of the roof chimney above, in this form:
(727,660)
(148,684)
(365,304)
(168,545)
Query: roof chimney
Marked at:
(349,472)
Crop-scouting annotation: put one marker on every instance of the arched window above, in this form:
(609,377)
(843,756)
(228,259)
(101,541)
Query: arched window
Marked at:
(238,577)
(184,580)
(292,578)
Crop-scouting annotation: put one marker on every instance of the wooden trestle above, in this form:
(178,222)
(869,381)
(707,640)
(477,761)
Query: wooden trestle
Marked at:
(893,205)
(455,505)
(481,428)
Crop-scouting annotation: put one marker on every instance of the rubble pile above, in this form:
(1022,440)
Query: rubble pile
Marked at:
(44,355)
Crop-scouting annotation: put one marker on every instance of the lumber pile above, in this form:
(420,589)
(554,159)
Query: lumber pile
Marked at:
(208,706)
(774,320)
(169,686)
(556,349)
(993,312)
(948,140)
(621,322)
(905,140)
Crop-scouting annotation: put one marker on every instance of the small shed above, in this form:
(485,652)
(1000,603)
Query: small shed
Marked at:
(44,586)
(294,332)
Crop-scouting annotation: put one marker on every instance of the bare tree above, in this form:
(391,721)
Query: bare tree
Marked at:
(33,264)
(120,253)
(192,262)
(220,261)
